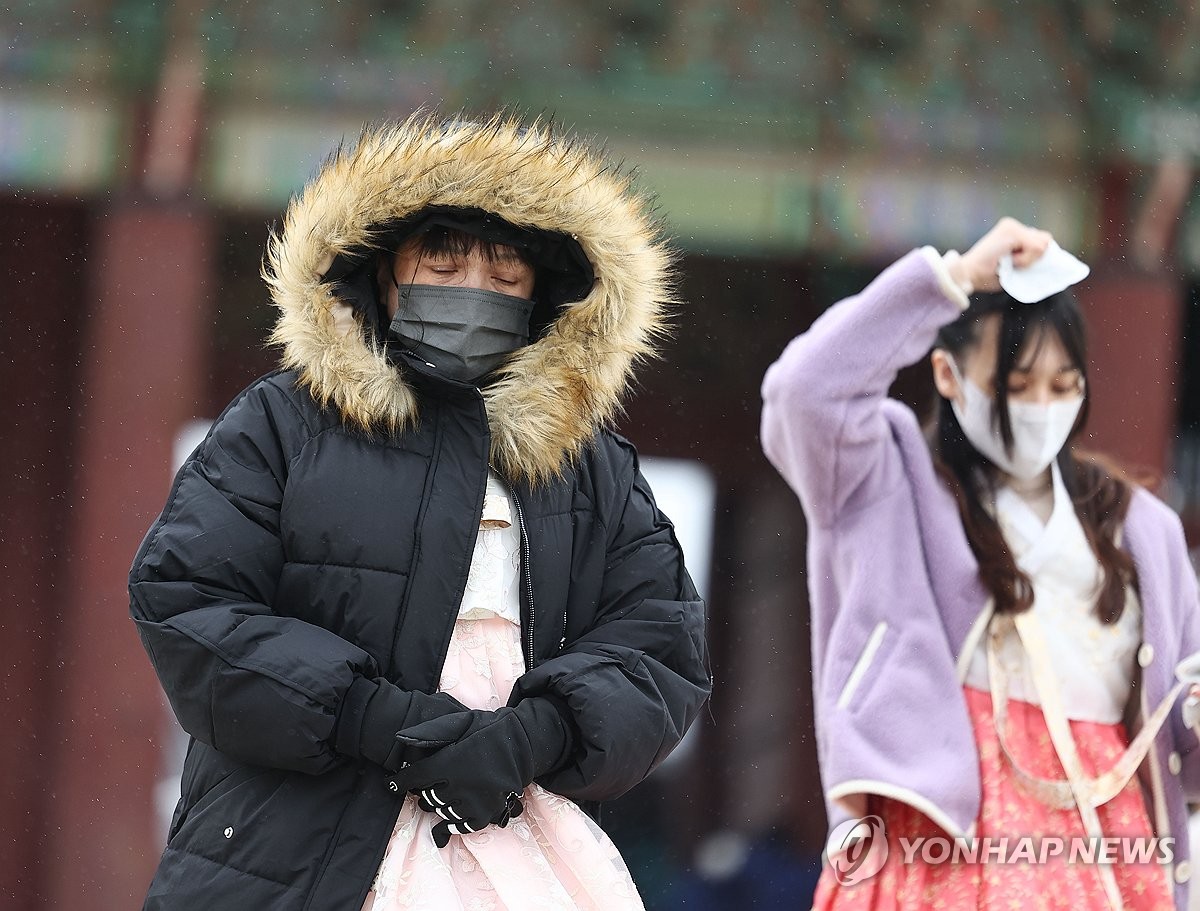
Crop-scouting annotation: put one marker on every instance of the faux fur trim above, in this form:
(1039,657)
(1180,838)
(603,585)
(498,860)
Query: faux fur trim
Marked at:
(553,395)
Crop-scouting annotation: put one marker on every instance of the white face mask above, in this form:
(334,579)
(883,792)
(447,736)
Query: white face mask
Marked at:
(1039,431)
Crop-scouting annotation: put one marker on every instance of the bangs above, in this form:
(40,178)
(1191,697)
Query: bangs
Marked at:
(442,241)
(1024,330)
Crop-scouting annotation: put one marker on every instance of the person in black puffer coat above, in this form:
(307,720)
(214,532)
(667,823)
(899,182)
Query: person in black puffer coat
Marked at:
(461,305)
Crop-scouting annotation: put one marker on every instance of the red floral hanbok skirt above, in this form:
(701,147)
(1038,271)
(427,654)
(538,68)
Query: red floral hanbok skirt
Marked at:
(1008,810)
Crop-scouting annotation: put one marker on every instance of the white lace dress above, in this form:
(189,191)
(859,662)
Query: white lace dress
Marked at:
(552,856)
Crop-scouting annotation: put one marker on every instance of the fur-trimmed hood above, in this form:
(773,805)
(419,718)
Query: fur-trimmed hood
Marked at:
(553,395)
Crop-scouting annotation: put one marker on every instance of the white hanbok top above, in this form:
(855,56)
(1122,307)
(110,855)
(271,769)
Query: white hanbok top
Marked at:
(493,583)
(552,857)
(1093,661)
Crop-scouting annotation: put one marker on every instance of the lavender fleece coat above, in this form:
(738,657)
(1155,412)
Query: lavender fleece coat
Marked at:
(897,604)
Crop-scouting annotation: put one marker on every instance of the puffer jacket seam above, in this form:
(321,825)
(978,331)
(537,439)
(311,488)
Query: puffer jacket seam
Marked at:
(251,666)
(173,497)
(374,569)
(303,447)
(226,864)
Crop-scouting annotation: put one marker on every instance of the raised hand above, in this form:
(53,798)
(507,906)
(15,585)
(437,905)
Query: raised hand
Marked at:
(976,269)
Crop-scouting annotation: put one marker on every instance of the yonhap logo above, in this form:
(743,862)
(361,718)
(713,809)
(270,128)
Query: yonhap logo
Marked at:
(857,849)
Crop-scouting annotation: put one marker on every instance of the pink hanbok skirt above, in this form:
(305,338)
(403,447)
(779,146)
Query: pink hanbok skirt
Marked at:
(1007,810)
(551,856)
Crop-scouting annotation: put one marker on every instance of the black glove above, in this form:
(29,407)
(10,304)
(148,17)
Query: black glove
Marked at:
(477,763)
(453,824)
(374,710)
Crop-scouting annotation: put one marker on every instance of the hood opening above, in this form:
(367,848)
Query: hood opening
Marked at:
(603,293)
(564,273)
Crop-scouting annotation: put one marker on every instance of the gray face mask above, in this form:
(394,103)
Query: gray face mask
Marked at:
(465,333)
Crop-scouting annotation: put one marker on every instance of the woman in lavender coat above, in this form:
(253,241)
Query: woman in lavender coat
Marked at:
(996,616)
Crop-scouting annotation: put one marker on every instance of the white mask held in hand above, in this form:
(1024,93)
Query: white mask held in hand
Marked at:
(1053,271)
(1039,431)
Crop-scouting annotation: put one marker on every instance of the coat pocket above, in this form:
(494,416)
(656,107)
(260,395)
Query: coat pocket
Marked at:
(216,795)
(862,665)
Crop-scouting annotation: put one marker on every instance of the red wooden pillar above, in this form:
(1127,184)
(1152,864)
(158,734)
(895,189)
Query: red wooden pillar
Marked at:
(1134,327)
(43,309)
(143,350)
(1135,321)
(144,357)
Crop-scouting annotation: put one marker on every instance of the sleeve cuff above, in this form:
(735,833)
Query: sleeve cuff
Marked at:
(553,731)
(941,268)
(353,711)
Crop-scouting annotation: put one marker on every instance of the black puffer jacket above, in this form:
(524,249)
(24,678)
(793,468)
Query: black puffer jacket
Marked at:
(315,548)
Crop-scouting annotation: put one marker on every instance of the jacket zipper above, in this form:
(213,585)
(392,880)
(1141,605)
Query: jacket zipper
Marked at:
(526,578)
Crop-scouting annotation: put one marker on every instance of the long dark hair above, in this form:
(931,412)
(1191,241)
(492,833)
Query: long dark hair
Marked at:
(1099,491)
